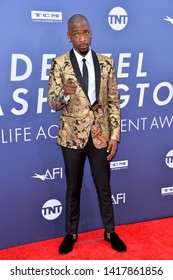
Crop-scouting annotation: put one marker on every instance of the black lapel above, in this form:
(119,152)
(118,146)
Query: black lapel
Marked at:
(77,71)
(79,76)
(97,74)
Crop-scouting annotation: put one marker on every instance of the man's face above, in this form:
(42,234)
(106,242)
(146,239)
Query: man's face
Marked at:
(79,34)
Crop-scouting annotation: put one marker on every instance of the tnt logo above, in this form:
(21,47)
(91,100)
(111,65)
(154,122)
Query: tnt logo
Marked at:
(118,18)
(52,209)
(169,159)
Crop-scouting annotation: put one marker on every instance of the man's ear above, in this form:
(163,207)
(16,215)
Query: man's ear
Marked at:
(69,38)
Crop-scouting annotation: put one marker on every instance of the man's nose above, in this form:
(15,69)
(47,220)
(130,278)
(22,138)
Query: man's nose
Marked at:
(82,37)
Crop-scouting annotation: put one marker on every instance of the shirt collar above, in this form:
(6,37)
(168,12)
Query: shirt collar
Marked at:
(79,57)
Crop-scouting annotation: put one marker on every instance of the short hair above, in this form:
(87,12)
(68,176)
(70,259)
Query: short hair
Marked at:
(76,18)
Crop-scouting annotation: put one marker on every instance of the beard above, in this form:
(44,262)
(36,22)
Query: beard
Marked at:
(84,53)
(83,49)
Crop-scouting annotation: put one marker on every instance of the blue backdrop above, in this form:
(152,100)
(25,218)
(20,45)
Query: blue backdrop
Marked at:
(139,36)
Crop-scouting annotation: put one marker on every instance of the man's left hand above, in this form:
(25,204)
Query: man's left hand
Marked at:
(112,148)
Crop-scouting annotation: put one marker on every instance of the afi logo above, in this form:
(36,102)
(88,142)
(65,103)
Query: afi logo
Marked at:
(49,175)
(118,18)
(119,198)
(169,19)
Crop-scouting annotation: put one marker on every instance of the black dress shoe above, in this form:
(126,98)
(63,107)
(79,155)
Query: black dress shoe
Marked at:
(67,244)
(116,242)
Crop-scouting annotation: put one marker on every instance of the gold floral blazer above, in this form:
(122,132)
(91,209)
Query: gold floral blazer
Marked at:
(78,118)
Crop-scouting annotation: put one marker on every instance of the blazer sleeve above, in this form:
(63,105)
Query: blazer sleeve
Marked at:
(56,98)
(113,104)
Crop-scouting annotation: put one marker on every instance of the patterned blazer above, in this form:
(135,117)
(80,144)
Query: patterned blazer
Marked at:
(78,118)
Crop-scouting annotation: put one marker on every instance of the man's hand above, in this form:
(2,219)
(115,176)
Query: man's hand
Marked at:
(112,148)
(70,87)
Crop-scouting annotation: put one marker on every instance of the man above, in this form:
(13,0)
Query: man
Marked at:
(86,92)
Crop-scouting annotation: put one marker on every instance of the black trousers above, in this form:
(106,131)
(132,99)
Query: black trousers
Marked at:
(100,168)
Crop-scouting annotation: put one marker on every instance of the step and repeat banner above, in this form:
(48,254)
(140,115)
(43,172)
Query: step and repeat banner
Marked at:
(139,36)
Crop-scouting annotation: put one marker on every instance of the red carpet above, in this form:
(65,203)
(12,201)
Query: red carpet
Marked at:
(152,240)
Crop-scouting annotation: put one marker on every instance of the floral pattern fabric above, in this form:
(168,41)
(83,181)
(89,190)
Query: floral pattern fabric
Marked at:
(77,119)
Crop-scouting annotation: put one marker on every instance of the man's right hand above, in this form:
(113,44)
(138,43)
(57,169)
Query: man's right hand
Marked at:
(70,87)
